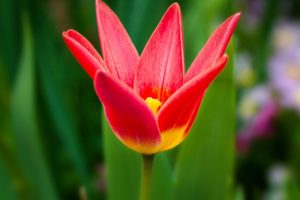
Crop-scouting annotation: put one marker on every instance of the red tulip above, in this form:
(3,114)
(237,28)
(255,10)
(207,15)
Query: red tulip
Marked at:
(149,101)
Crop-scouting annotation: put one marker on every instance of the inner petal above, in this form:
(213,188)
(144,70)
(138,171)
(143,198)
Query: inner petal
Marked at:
(159,72)
(161,94)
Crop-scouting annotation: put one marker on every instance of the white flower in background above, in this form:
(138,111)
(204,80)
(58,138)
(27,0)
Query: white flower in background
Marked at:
(245,76)
(278,177)
(252,101)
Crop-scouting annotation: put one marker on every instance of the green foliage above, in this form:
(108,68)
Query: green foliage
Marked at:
(25,129)
(6,186)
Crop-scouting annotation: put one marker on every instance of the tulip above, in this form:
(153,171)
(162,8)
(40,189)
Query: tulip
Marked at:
(148,99)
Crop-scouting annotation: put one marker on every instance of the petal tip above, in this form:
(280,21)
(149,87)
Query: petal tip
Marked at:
(238,14)
(98,2)
(69,33)
(225,57)
(83,51)
(101,5)
(174,8)
(175,5)
(66,33)
(235,18)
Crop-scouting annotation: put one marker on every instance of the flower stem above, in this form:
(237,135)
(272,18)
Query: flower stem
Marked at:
(146,177)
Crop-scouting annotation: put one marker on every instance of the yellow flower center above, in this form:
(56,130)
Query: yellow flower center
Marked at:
(153,104)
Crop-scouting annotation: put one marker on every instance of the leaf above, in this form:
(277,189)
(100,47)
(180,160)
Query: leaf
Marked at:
(9,37)
(205,163)
(292,189)
(239,194)
(4,99)
(54,74)
(7,189)
(25,129)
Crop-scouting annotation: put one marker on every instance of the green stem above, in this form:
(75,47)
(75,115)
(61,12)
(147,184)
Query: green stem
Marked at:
(146,177)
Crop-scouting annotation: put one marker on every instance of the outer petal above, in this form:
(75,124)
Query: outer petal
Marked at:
(128,115)
(160,70)
(214,47)
(84,52)
(178,113)
(118,51)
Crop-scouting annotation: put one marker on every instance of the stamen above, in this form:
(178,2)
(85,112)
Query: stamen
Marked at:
(153,104)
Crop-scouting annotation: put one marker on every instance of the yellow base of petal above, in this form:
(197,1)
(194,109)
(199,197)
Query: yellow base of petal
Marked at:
(142,148)
(172,138)
(169,139)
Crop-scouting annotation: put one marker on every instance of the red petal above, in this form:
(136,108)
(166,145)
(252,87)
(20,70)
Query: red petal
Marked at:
(128,115)
(118,51)
(160,70)
(181,108)
(214,47)
(84,52)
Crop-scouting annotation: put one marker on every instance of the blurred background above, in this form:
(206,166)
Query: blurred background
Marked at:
(54,140)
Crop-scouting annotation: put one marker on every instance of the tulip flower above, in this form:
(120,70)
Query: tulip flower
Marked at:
(148,99)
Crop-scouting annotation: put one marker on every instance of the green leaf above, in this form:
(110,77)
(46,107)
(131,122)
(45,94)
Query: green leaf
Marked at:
(25,129)
(4,99)
(55,76)
(7,189)
(9,37)
(239,194)
(205,163)
(292,189)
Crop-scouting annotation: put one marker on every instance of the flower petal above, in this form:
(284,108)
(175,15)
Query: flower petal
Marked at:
(214,47)
(160,70)
(118,51)
(178,113)
(128,115)
(84,52)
